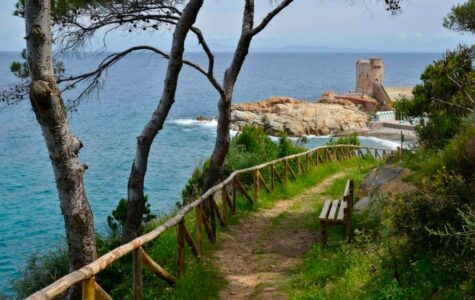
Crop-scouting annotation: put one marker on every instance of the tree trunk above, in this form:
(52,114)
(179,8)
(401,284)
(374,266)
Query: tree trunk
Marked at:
(136,197)
(63,147)
(224,107)
(221,146)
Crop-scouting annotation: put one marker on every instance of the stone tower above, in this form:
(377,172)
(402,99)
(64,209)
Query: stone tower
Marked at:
(368,73)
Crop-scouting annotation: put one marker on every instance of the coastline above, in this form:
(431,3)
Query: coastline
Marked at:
(388,137)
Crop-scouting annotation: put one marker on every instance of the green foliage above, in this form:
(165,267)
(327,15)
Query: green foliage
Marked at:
(116,220)
(433,206)
(21,69)
(461,17)
(351,139)
(444,98)
(252,146)
(194,186)
(58,7)
(40,270)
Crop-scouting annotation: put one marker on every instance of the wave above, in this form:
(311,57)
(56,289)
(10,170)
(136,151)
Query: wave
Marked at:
(390,144)
(194,122)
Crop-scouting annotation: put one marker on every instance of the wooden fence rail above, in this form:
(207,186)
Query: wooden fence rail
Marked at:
(227,193)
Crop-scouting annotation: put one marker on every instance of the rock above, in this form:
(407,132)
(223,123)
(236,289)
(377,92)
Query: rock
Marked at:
(383,182)
(204,118)
(298,117)
(332,98)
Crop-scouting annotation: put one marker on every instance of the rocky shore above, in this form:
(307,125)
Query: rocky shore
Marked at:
(298,117)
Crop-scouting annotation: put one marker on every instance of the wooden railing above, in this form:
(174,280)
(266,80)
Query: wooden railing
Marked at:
(227,194)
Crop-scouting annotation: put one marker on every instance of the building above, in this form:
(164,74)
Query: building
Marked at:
(370,79)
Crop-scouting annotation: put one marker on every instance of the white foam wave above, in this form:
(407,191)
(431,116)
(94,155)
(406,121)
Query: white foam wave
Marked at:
(390,144)
(194,122)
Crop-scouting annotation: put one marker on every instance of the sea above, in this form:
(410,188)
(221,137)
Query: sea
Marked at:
(109,120)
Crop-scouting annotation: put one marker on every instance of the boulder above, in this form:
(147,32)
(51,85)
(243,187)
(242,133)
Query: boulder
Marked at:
(383,182)
(297,117)
(332,98)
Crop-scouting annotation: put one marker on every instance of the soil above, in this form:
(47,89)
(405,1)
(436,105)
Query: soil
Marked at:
(256,255)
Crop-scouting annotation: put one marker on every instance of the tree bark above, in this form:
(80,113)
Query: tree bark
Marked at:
(136,198)
(63,147)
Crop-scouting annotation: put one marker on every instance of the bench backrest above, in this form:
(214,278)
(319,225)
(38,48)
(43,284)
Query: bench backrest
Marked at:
(348,194)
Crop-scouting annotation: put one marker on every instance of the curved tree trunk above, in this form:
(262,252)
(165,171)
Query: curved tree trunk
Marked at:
(136,198)
(63,147)
(224,106)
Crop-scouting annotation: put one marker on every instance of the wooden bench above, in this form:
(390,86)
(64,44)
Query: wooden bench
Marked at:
(338,212)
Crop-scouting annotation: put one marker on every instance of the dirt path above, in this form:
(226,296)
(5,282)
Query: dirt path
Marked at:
(256,254)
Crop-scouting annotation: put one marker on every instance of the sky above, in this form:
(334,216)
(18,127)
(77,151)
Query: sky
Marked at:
(347,24)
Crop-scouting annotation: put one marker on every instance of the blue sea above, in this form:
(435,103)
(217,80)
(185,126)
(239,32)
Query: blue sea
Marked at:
(109,121)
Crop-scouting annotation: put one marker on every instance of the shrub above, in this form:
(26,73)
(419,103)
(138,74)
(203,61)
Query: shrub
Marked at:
(116,220)
(437,220)
(252,146)
(194,186)
(444,98)
(351,139)
(41,270)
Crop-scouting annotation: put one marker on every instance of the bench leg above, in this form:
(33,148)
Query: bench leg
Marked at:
(323,233)
(349,231)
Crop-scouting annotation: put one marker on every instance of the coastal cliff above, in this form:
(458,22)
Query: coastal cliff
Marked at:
(298,117)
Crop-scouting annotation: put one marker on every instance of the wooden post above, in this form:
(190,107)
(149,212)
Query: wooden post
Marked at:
(323,233)
(308,157)
(100,294)
(243,191)
(286,170)
(191,243)
(224,203)
(368,151)
(89,289)
(209,231)
(199,229)
(350,200)
(264,184)
(298,165)
(180,247)
(234,195)
(212,215)
(157,269)
(137,274)
(256,185)
(272,176)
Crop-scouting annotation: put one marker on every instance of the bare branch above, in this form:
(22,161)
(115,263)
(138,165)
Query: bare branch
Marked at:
(462,88)
(77,26)
(454,104)
(270,16)
(112,59)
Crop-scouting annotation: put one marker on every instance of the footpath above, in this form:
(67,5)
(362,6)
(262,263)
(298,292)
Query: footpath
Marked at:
(257,254)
